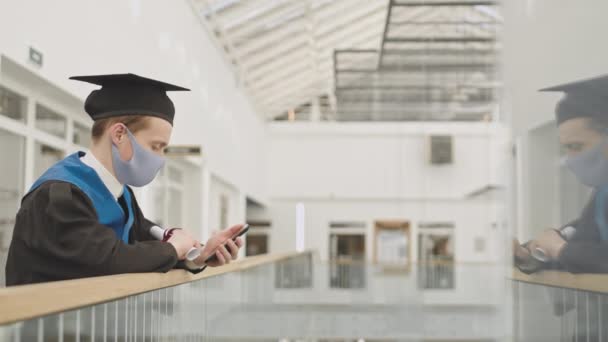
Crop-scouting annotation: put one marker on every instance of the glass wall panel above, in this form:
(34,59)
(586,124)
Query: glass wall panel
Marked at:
(12,104)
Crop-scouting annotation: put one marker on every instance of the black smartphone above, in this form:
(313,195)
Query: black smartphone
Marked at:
(213,257)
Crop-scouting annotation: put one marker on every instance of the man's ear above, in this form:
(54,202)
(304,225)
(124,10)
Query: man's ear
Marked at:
(118,133)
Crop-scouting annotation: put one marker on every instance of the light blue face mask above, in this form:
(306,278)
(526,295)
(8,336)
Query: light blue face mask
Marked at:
(141,169)
(591,166)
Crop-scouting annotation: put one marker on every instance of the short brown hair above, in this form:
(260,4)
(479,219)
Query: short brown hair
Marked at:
(133,122)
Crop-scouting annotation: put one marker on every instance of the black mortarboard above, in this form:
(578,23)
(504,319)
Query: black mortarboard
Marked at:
(128,94)
(582,99)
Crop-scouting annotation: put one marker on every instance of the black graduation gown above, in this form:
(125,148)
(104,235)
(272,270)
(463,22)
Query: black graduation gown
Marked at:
(58,236)
(585,252)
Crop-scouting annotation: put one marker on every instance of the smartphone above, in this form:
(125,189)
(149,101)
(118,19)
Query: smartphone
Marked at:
(213,257)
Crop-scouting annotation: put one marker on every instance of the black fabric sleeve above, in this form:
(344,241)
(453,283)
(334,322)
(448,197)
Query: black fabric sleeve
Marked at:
(585,252)
(68,230)
(585,257)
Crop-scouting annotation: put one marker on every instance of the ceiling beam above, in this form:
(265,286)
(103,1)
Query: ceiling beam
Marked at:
(420,13)
(441,40)
(286,88)
(275,84)
(271,39)
(289,67)
(338,24)
(281,108)
(421,66)
(277,107)
(294,101)
(240,72)
(444,30)
(295,60)
(252,12)
(280,19)
(443,3)
(250,46)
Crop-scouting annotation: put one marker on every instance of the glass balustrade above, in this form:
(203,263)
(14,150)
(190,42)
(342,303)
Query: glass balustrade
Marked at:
(295,299)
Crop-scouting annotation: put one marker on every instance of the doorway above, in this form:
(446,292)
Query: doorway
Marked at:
(392,244)
(347,260)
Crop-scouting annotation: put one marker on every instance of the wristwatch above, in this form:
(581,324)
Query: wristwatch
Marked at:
(566,232)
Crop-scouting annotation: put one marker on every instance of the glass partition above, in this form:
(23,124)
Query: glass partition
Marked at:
(556,313)
(557,110)
(288,300)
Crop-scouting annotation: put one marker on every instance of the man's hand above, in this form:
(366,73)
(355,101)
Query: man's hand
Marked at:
(222,246)
(519,251)
(549,241)
(182,241)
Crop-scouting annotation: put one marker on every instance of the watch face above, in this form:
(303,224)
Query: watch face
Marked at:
(540,255)
(567,232)
(529,265)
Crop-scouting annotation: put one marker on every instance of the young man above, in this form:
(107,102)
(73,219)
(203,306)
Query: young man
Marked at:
(582,121)
(81,219)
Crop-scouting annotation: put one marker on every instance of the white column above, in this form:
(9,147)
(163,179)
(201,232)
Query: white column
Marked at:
(300,227)
(30,145)
(315,110)
(205,202)
(242,216)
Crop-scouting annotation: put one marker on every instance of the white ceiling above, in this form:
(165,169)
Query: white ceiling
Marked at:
(283,50)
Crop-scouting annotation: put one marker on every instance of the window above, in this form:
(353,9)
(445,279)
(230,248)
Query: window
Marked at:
(82,135)
(436,255)
(167,196)
(50,121)
(347,267)
(12,147)
(50,143)
(256,244)
(12,105)
(45,156)
(392,244)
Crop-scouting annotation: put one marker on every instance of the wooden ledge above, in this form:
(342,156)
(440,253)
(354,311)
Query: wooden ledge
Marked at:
(584,282)
(19,303)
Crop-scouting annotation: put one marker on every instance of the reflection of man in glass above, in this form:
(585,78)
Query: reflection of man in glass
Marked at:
(582,119)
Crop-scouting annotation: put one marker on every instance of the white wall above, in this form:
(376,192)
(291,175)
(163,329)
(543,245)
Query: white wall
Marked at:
(158,39)
(367,172)
(376,161)
(472,219)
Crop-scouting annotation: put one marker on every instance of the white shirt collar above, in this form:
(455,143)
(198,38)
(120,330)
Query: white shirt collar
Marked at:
(106,177)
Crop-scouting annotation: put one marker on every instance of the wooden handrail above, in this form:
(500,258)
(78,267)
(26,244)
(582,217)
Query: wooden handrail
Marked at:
(19,303)
(584,282)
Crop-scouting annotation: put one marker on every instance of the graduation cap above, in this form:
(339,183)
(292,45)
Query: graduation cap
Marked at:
(582,99)
(128,94)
